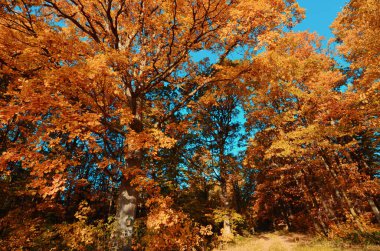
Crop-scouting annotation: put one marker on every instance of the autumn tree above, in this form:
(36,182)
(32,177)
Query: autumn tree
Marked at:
(355,29)
(217,112)
(89,75)
(304,139)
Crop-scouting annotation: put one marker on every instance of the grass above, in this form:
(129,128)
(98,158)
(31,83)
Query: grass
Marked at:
(290,242)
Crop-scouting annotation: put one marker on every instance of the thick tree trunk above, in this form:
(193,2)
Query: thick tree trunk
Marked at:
(125,216)
(127,206)
(128,196)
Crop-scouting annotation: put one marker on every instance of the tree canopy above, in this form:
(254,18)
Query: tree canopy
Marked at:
(119,132)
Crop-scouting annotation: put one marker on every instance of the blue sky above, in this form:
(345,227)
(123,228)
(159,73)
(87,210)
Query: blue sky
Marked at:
(319,15)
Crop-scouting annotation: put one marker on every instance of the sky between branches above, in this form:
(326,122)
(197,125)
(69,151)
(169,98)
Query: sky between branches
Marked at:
(319,16)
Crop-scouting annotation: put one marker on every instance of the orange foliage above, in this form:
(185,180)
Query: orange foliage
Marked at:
(170,229)
(105,102)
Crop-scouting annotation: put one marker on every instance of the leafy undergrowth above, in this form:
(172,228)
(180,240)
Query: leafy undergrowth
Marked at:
(292,242)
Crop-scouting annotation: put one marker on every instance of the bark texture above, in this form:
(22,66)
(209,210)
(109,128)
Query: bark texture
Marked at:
(126,214)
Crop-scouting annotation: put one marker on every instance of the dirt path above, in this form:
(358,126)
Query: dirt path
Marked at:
(289,242)
(269,242)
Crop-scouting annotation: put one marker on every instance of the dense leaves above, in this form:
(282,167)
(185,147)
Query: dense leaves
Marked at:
(122,123)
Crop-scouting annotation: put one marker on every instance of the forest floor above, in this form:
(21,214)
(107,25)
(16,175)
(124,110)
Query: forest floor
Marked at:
(290,242)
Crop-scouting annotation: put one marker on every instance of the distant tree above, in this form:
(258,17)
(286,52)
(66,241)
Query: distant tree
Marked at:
(306,131)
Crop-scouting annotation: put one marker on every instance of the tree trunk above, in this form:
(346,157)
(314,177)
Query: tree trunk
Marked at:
(226,205)
(318,223)
(227,227)
(372,204)
(125,216)
(127,206)
(375,209)
(341,194)
(226,231)
(128,196)
(322,194)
